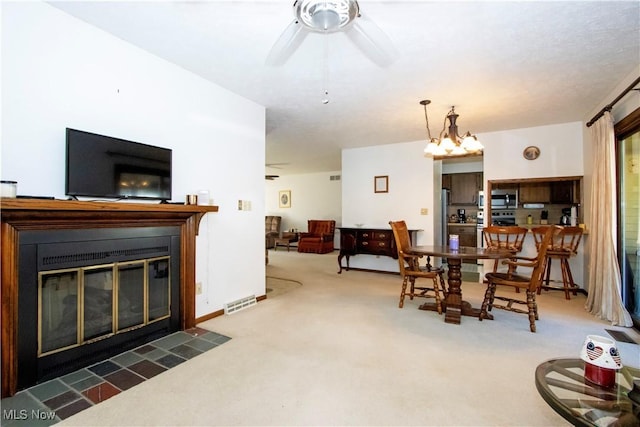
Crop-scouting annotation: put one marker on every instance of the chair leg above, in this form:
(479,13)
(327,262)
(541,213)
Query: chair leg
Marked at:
(436,289)
(488,301)
(412,289)
(403,291)
(443,285)
(533,309)
(545,273)
(567,279)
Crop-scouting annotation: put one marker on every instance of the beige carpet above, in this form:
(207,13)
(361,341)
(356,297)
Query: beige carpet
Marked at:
(278,286)
(338,351)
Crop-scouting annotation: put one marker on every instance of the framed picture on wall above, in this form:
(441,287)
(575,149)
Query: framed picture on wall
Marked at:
(381,184)
(285,199)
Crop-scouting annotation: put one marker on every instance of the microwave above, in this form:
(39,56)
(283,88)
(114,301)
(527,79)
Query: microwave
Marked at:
(500,199)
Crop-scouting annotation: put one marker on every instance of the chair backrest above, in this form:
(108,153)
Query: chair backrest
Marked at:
(504,237)
(272,223)
(566,240)
(321,226)
(545,242)
(403,242)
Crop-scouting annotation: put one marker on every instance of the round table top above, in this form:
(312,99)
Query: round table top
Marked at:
(562,384)
(463,252)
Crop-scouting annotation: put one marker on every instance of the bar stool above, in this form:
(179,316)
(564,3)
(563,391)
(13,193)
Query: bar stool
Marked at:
(564,246)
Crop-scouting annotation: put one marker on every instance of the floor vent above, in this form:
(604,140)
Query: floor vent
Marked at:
(620,336)
(241,304)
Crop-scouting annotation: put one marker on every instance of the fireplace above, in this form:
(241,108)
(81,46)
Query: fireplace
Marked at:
(86,295)
(69,245)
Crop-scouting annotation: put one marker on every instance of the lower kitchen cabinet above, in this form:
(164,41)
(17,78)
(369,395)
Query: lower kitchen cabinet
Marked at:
(467,236)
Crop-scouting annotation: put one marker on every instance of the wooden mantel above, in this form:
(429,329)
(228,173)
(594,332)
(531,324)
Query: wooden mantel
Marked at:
(40,214)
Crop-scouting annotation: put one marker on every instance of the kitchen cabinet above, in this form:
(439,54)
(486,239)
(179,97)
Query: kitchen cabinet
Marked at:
(535,192)
(467,236)
(465,187)
(563,192)
(446,181)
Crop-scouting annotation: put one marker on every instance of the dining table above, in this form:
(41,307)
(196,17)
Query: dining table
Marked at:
(453,305)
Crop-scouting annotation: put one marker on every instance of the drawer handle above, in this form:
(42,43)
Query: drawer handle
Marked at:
(383,236)
(365,234)
(381,244)
(365,243)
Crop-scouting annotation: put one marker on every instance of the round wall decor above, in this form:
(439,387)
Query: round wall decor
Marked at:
(531,152)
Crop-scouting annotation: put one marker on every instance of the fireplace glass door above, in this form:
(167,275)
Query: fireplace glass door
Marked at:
(83,305)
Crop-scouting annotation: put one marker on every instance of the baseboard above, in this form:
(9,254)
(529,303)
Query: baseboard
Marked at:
(209,316)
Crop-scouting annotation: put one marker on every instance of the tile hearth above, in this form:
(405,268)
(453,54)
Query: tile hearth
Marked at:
(50,402)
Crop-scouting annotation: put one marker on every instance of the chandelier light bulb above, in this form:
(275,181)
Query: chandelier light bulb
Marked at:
(451,144)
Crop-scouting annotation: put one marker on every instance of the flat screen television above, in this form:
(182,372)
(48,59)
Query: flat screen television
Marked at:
(107,167)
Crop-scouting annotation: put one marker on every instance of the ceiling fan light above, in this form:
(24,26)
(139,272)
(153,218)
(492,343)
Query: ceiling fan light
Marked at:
(326,16)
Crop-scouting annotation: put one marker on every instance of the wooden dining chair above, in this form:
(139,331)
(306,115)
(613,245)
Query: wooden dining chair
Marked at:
(513,280)
(563,246)
(410,270)
(504,237)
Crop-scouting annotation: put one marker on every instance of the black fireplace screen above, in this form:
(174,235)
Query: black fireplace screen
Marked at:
(82,305)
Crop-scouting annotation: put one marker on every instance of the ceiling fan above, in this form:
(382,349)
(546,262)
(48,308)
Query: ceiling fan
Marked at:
(330,17)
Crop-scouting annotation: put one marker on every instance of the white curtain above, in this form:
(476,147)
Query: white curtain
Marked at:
(604,287)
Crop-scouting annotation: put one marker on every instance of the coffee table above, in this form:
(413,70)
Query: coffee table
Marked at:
(562,385)
(285,240)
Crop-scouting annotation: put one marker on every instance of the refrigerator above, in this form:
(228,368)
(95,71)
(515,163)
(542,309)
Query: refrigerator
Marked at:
(442,234)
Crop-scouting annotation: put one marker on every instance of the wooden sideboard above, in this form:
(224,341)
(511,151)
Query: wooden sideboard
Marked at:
(369,241)
(20,215)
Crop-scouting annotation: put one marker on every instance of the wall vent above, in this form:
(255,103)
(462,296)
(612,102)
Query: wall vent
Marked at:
(334,178)
(241,304)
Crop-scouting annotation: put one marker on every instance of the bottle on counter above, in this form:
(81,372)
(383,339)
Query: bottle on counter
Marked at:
(529,219)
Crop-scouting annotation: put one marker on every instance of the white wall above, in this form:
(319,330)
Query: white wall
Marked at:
(313,196)
(59,72)
(560,152)
(411,187)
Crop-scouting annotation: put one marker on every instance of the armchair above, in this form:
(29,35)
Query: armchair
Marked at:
(272,230)
(319,237)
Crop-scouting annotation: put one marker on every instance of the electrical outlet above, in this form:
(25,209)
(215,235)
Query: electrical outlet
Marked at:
(424,211)
(198,288)
(239,205)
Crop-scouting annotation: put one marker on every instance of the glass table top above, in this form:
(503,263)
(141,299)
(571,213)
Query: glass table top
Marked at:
(562,384)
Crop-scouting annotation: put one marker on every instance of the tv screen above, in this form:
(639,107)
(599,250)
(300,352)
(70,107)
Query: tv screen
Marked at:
(107,167)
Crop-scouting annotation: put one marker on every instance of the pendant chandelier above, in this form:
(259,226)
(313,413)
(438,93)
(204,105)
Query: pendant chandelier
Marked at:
(449,143)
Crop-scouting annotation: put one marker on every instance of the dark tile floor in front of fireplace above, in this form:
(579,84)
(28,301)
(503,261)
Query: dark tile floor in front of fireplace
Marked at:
(50,402)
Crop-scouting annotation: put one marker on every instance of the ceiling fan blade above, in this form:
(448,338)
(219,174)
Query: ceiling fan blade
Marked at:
(287,43)
(372,41)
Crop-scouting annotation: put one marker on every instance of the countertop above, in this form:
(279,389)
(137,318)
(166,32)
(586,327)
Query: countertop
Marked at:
(462,224)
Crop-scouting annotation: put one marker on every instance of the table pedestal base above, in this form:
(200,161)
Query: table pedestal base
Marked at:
(453,315)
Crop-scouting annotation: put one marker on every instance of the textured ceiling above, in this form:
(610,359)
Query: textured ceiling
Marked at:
(504,65)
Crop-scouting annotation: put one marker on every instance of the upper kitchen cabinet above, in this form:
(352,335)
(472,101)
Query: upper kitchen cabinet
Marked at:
(534,192)
(446,181)
(565,192)
(464,187)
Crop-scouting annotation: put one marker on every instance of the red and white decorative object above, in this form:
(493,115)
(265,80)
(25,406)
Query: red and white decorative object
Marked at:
(602,360)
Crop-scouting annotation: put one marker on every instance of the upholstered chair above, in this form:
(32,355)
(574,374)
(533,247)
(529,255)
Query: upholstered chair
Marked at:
(319,237)
(272,230)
